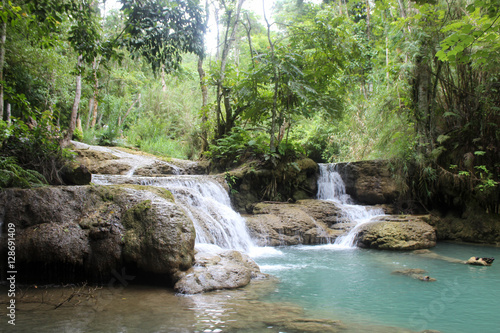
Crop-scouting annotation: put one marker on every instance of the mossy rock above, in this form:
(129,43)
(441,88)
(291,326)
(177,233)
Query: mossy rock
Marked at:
(294,180)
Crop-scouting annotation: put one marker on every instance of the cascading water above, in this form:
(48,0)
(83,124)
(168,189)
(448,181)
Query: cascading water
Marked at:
(206,202)
(331,187)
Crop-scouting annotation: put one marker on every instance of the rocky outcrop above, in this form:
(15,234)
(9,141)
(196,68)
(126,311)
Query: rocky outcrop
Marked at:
(471,226)
(84,233)
(251,183)
(226,269)
(304,222)
(396,233)
(369,182)
(76,174)
(122,161)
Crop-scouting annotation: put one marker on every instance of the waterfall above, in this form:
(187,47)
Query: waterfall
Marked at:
(331,187)
(205,201)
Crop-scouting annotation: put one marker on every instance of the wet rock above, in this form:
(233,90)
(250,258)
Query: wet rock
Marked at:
(100,162)
(432,255)
(415,273)
(121,161)
(227,269)
(304,222)
(473,226)
(52,243)
(396,233)
(369,182)
(192,167)
(480,261)
(93,230)
(158,168)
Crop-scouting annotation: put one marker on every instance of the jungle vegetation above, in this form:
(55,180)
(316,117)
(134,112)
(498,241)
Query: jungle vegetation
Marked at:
(416,82)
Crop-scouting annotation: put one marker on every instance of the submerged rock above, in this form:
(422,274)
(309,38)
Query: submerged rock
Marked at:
(84,233)
(227,269)
(415,273)
(396,233)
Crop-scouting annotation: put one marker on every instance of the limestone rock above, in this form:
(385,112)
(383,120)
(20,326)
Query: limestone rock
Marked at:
(83,233)
(76,174)
(226,269)
(369,182)
(473,226)
(157,168)
(304,222)
(396,233)
(120,161)
(415,273)
(480,261)
(297,181)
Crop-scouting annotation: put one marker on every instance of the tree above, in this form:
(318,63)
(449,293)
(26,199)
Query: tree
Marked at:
(162,30)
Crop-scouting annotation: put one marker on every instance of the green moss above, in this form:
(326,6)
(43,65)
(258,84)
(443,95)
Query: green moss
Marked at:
(133,217)
(106,193)
(161,192)
(307,164)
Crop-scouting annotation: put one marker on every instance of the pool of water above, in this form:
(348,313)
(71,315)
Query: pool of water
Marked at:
(311,288)
(357,285)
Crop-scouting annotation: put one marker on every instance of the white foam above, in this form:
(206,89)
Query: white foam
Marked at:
(266,251)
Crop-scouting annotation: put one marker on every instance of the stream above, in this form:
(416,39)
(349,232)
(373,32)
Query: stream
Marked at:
(310,287)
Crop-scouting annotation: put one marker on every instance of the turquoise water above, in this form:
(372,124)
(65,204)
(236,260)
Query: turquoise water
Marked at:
(356,285)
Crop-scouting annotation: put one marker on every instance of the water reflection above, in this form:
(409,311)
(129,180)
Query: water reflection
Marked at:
(156,309)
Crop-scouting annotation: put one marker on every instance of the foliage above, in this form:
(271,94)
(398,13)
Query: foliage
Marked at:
(13,175)
(161,31)
(34,146)
(239,146)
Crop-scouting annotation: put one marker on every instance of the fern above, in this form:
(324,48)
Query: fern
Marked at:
(13,175)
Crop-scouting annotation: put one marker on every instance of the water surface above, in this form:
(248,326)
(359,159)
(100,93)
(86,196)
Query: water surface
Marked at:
(356,285)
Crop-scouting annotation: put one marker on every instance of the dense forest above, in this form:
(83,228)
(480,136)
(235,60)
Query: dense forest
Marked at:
(414,82)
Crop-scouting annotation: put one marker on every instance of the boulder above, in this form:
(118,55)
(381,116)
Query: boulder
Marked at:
(480,261)
(396,233)
(369,182)
(85,233)
(252,183)
(304,222)
(76,174)
(226,269)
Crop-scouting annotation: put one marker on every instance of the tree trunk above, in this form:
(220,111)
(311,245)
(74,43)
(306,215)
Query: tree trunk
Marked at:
(8,120)
(249,37)
(272,144)
(91,111)
(422,90)
(93,108)
(368,28)
(74,111)
(204,103)
(3,38)
(121,120)
(163,83)
(228,40)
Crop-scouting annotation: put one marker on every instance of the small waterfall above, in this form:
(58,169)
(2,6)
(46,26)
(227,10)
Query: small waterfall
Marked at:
(205,201)
(331,187)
